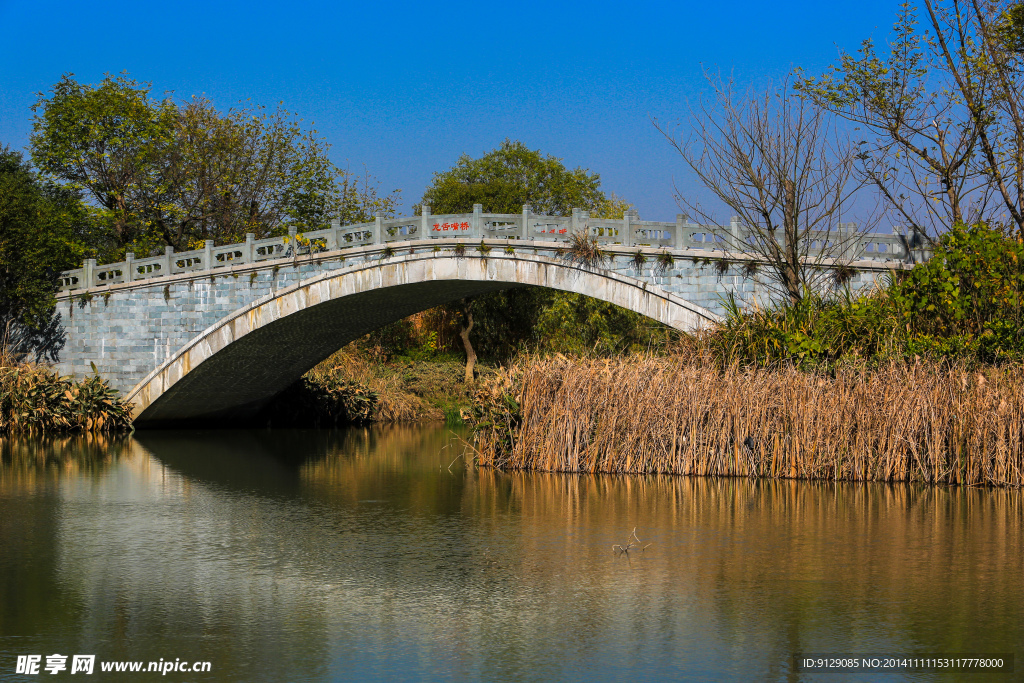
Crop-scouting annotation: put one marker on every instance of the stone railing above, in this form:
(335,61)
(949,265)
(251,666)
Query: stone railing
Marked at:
(629,231)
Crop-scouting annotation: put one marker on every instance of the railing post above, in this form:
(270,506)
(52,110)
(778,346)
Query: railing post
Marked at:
(897,232)
(851,245)
(208,255)
(129,266)
(331,241)
(627,229)
(168,264)
(919,246)
(736,231)
(89,272)
(574,226)
(478,220)
(425,221)
(250,247)
(339,239)
(378,230)
(526,222)
(680,227)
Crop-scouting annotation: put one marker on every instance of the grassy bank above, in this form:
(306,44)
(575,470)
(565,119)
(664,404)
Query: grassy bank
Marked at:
(920,422)
(356,386)
(35,399)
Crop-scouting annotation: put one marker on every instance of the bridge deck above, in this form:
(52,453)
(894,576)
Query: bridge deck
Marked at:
(525,230)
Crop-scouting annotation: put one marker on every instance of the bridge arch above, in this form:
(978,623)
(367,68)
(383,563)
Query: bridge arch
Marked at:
(232,369)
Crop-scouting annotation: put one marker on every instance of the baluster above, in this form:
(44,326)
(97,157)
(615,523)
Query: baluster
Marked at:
(478,221)
(424,221)
(89,276)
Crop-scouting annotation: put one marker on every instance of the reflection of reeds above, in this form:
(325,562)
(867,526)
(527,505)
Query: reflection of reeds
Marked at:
(26,460)
(902,422)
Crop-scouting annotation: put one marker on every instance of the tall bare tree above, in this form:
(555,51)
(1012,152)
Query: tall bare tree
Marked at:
(778,164)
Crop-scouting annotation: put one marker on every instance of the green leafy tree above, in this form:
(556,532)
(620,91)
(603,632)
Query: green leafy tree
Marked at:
(968,299)
(966,303)
(578,324)
(108,142)
(506,178)
(502,181)
(40,225)
(940,112)
(165,173)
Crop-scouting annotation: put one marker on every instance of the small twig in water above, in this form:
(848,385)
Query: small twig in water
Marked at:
(456,458)
(630,544)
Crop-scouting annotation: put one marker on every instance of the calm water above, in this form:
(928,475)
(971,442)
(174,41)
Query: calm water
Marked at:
(321,556)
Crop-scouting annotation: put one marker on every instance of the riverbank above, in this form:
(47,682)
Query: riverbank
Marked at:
(35,399)
(908,422)
(354,386)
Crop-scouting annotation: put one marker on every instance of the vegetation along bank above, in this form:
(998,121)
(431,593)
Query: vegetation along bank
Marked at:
(34,399)
(913,422)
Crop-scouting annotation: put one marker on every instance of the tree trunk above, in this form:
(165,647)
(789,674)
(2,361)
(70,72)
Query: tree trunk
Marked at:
(791,275)
(467,327)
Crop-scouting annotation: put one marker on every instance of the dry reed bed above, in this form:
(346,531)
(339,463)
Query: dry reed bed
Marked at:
(904,422)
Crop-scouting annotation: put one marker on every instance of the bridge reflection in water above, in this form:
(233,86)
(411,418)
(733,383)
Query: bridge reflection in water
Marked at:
(359,553)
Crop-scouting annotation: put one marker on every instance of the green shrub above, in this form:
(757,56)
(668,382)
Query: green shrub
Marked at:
(964,303)
(33,398)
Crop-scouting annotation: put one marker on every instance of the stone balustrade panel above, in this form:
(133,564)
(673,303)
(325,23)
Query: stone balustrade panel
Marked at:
(629,231)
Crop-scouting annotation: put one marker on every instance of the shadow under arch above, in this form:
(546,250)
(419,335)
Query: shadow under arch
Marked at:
(227,373)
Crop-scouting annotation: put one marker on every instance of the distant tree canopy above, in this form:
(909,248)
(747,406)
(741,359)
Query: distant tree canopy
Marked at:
(160,172)
(503,180)
(40,232)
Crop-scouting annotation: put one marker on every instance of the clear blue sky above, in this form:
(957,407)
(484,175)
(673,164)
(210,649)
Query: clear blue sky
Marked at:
(405,88)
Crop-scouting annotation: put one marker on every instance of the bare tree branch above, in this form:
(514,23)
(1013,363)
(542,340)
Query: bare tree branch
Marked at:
(783,170)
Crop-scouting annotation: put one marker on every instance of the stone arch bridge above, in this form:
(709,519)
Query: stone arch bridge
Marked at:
(210,336)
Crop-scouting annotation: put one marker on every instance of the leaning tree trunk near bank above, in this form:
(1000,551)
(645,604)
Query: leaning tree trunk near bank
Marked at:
(467,327)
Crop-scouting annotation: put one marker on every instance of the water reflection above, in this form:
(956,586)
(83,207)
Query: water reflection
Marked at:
(319,555)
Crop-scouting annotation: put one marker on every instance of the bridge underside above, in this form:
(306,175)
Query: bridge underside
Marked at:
(234,384)
(226,374)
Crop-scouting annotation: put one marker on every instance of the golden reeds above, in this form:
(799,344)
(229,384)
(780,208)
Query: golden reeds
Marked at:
(393,403)
(901,422)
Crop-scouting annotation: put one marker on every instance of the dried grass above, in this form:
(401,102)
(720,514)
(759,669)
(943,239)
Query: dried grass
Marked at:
(902,422)
(394,404)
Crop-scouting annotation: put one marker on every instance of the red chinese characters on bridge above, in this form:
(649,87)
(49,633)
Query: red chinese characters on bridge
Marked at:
(445,227)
